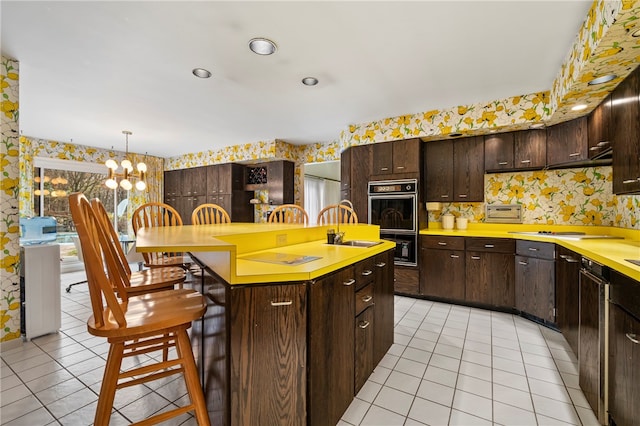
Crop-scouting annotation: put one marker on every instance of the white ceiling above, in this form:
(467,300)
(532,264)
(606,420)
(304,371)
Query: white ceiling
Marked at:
(89,69)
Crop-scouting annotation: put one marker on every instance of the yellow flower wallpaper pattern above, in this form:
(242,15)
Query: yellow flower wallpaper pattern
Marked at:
(9,188)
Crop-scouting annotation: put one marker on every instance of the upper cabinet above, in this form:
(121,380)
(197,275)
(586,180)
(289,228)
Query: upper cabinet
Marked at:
(599,129)
(275,177)
(625,135)
(567,142)
(397,157)
(454,170)
(354,178)
(498,152)
(530,149)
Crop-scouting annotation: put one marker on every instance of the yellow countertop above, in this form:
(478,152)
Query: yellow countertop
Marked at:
(609,252)
(227,248)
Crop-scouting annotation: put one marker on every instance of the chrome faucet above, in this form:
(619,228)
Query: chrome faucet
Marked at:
(339,238)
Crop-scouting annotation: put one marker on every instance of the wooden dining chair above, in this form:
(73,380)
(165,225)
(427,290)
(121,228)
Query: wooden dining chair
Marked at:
(337,213)
(138,327)
(140,282)
(158,214)
(206,214)
(289,213)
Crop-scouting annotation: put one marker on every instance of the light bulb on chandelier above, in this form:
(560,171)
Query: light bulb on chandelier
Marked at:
(127,173)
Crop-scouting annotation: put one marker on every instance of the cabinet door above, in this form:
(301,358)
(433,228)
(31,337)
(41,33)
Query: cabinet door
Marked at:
(444,273)
(212,180)
(194,181)
(567,291)
(383,308)
(438,163)
(332,344)
(498,152)
(530,149)
(360,165)
(598,128)
(624,374)
(567,142)
(625,134)
(225,178)
(468,169)
(490,278)
(172,179)
(382,158)
(189,204)
(345,169)
(363,355)
(268,382)
(535,287)
(406,156)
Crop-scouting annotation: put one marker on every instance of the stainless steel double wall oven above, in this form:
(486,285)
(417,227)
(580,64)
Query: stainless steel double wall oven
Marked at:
(393,205)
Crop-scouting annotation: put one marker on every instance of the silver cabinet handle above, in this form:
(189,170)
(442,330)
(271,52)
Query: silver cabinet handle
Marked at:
(570,259)
(349,282)
(462,195)
(594,148)
(630,181)
(381,264)
(367,272)
(454,256)
(633,337)
(364,324)
(489,246)
(533,249)
(475,257)
(440,243)
(384,169)
(525,161)
(602,143)
(502,163)
(575,154)
(523,263)
(285,303)
(400,167)
(367,299)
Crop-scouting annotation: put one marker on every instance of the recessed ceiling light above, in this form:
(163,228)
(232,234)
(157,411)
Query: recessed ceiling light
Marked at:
(201,73)
(537,126)
(262,46)
(636,33)
(309,81)
(603,79)
(579,107)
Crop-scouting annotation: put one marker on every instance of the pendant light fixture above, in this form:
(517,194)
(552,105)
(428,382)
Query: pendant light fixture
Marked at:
(127,171)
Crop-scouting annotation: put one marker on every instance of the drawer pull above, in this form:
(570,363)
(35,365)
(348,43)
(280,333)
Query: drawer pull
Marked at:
(400,167)
(575,154)
(525,161)
(633,337)
(367,272)
(603,143)
(384,169)
(285,303)
(571,260)
(454,256)
(381,264)
(502,163)
(523,263)
(444,196)
(350,282)
(440,243)
(489,246)
(364,324)
(475,257)
(367,299)
(594,148)
(533,249)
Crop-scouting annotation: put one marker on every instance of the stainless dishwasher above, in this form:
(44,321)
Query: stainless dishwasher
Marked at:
(593,345)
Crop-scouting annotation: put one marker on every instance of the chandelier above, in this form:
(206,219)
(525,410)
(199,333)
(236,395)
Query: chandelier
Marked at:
(127,171)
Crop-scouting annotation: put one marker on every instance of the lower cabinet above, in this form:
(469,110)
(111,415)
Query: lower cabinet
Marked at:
(567,291)
(383,305)
(364,332)
(490,271)
(535,279)
(442,267)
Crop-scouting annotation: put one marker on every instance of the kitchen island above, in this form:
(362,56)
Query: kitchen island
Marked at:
(294,325)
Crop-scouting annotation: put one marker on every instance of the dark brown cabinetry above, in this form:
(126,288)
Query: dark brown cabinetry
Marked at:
(490,271)
(354,178)
(624,351)
(530,149)
(599,129)
(454,170)
(383,307)
(397,157)
(567,142)
(172,188)
(498,152)
(276,177)
(625,134)
(268,381)
(364,335)
(535,279)
(567,291)
(442,267)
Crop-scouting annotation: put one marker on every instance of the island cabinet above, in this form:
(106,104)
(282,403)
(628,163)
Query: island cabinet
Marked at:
(355,165)
(442,267)
(383,307)
(490,271)
(625,133)
(535,279)
(599,129)
(567,291)
(391,159)
(567,142)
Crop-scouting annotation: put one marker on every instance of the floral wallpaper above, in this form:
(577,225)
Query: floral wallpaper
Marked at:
(9,219)
(581,196)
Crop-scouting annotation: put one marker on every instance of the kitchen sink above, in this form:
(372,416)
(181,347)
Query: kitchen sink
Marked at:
(360,243)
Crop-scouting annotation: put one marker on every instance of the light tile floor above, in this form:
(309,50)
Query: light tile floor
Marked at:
(449,365)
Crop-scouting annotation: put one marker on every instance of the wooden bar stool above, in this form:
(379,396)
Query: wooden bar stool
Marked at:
(337,213)
(207,214)
(289,213)
(140,325)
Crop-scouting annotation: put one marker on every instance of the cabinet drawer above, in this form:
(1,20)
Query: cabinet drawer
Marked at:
(494,245)
(535,249)
(364,272)
(364,298)
(440,242)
